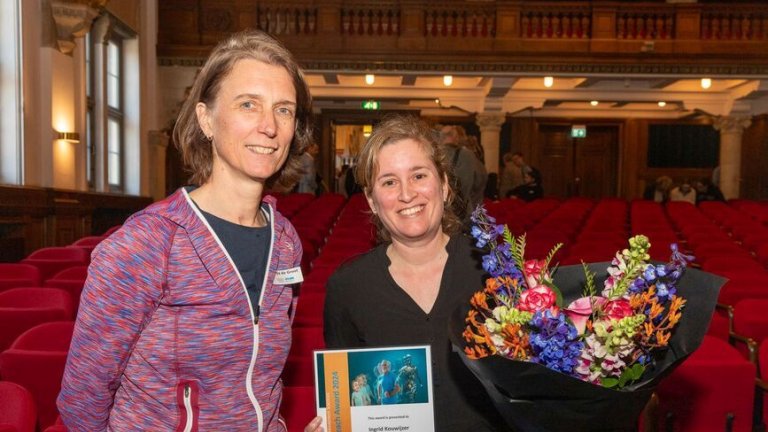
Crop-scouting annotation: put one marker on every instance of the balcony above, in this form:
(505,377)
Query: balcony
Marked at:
(489,36)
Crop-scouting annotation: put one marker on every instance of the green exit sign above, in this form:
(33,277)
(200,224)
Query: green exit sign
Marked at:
(578,131)
(371,105)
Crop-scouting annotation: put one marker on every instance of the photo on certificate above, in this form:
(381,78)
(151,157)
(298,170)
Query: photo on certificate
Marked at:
(375,389)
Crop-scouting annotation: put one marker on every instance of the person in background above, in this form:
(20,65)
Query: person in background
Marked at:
(185,317)
(340,177)
(519,161)
(706,191)
(659,190)
(511,176)
(531,189)
(422,270)
(470,172)
(683,192)
(308,182)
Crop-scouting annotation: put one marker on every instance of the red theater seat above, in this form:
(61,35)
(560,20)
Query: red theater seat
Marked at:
(714,387)
(52,260)
(306,340)
(17,408)
(70,280)
(24,308)
(36,361)
(309,311)
(298,407)
(14,275)
(299,371)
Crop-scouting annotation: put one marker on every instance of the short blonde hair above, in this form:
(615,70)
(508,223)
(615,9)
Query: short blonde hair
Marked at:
(397,128)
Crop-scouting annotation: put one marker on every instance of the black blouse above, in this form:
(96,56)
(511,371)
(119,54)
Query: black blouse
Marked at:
(364,307)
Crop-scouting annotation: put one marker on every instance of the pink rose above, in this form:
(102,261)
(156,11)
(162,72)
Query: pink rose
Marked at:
(580,309)
(536,299)
(532,272)
(618,309)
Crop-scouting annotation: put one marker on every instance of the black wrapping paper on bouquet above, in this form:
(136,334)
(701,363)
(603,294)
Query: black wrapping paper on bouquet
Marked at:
(533,398)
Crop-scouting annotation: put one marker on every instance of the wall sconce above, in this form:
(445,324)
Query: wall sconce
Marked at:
(370,79)
(367,129)
(594,103)
(662,104)
(706,83)
(72,137)
(447,80)
(548,81)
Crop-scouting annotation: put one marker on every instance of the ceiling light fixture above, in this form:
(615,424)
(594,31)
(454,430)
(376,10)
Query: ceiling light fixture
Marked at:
(594,103)
(370,79)
(548,81)
(662,104)
(706,83)
(447,80)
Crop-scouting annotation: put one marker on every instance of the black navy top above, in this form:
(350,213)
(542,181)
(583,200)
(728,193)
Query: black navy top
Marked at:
(249,248)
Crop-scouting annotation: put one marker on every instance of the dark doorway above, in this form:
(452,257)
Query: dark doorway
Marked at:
(584,167)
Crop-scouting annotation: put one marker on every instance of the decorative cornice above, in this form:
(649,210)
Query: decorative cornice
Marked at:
(72,20)
(732,124)
(490,120)
(671,69)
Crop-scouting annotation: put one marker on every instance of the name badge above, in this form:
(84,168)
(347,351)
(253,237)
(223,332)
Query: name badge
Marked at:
(289,276)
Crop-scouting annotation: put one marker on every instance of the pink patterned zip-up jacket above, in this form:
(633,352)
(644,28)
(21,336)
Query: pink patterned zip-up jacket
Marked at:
(166,339)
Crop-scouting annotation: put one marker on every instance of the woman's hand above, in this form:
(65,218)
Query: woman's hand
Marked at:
(315,425)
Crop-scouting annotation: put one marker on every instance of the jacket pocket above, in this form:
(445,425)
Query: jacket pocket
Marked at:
(188,409)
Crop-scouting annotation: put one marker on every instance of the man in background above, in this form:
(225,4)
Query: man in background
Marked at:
(468,169)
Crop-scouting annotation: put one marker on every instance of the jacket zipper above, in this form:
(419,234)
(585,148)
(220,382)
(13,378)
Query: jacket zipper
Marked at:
(188,407)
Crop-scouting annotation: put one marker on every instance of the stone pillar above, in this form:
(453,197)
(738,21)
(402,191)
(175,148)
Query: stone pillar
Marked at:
(158,145)
(731,129)
(490,127)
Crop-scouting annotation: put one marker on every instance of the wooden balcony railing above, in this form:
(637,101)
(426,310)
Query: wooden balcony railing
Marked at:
(460,31)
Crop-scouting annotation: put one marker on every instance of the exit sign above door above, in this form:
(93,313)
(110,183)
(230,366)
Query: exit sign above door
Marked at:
(578,131)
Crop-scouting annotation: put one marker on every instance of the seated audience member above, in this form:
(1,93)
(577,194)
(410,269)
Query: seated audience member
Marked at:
(684,192)
(403,291)
(531,189)
(706,191)
(659,190)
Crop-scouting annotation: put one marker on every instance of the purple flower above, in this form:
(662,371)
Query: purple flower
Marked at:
(555,342)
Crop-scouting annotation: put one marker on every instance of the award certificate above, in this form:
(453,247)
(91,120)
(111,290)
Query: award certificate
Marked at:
(375,389)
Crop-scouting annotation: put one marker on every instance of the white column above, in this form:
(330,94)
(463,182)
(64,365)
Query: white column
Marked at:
(731,130)
(100,34)
(490,127)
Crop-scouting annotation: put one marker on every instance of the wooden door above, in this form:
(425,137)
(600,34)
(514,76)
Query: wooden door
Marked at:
(578,166)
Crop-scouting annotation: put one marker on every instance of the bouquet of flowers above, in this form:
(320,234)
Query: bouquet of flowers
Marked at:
(554,353)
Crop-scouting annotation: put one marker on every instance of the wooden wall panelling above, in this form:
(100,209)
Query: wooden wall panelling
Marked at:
(32,218)
(754,159)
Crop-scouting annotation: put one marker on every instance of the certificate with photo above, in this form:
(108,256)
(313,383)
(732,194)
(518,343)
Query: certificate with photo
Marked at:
(375,389)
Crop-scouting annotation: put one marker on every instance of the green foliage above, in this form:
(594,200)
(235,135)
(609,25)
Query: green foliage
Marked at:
(628,376)
(589,284)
